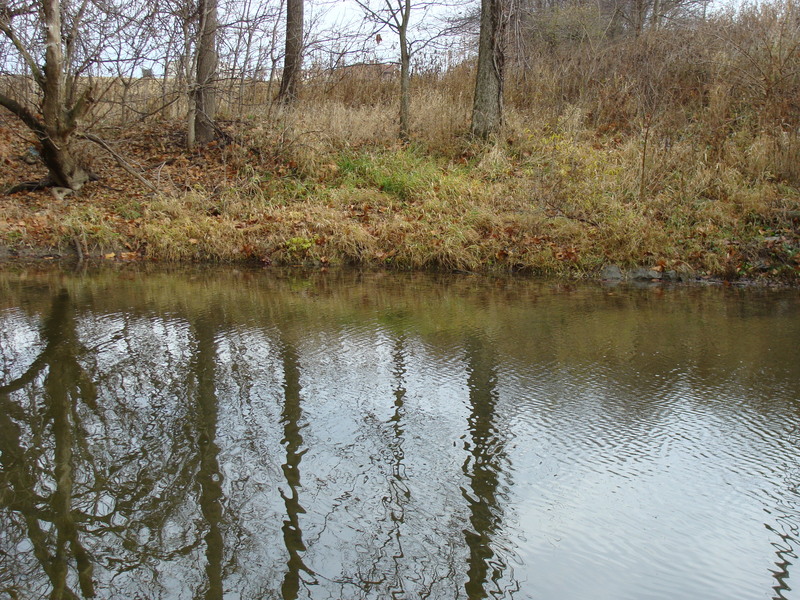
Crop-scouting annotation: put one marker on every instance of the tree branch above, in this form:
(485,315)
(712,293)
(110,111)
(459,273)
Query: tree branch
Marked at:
(79,109)
(25,115)
(120,160)
(5,27)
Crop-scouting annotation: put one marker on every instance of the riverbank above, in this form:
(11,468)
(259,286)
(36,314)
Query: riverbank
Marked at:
(556,200)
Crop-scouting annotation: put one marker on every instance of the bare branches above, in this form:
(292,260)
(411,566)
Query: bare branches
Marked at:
(120,160)
(22,113)
(6,16)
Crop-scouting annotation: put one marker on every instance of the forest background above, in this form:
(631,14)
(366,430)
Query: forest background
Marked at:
(545,136)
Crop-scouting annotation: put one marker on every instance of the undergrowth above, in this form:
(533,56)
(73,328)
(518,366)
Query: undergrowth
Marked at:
(678,150)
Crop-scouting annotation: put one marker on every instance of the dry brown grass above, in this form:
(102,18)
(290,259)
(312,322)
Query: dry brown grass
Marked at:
(677,150)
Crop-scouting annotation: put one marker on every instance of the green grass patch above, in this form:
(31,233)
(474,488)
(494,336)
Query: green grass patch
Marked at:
(403,173)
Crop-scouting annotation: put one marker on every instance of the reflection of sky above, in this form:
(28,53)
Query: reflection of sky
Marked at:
(20,343)
(675,510)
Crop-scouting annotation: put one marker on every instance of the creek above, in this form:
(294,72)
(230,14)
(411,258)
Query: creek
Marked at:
(234,434)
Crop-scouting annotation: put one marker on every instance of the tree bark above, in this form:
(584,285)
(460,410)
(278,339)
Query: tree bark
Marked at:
(293,58)
(405,76)
(205,100)
(62,164)
(487,108)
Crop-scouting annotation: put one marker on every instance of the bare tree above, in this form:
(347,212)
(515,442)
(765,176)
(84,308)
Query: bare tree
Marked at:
(293,58)
(487,108)
(248,38)
(205,101)
(413,37)
(395,15)
(61,103)
(51,52)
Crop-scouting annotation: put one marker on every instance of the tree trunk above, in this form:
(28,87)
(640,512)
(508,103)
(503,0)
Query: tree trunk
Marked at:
(59,123)
(640,10)
(62,164)
(205,101)
(293,58)
(655,17)
(405,83)
(487,108)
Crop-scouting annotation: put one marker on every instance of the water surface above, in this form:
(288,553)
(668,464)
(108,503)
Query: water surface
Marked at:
(246,435)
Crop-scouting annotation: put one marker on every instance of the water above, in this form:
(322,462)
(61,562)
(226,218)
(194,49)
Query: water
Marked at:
(246,435)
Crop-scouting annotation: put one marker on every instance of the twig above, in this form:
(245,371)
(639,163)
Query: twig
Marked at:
(121,161)
(643,165)
(570,216)
(27,186)
(78,248)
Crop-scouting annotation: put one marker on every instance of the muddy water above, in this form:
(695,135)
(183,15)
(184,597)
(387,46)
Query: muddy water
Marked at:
(248,435)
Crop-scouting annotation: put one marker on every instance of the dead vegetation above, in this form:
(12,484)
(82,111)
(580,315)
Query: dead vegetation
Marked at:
(679,150)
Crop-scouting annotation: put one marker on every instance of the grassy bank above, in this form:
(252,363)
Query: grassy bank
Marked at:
(686,162)
(551,200)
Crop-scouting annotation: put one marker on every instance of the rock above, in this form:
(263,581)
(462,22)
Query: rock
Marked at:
(59,193)
(31,156)
(644,274)
(611,273)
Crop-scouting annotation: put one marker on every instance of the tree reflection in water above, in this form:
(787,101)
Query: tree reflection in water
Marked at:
(209,476)
(483,470)
(160,437)
(291,443)
(399,493)
(130,505)
(786,530)
(39,480)
(91,485)
(292,417)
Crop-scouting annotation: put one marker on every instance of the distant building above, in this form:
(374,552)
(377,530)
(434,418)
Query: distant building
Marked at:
(368,71)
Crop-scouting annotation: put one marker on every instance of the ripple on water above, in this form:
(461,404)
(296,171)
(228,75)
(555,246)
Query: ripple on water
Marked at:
(605,470)
(555,447)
